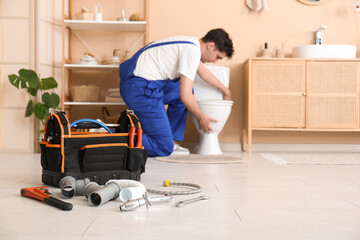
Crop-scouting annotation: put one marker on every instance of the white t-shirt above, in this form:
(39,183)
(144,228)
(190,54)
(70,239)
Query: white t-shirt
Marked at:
(167,62)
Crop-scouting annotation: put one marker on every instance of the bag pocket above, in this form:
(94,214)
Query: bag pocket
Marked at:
(44,164)
(52,161)
(103,157)
(136,159)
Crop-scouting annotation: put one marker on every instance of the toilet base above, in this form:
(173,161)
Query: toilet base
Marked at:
(209,144)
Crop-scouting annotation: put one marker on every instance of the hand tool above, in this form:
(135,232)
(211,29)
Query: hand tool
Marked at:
(145,200)
(42,194)
(182,203)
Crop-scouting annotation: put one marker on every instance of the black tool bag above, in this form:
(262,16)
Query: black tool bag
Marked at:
(99,156)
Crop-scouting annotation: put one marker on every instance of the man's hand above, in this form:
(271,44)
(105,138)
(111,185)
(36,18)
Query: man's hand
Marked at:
(208,77)
(226,93)
(204,123)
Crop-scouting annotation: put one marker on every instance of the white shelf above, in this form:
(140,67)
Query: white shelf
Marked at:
(90,67)
(129,26)
(95,103)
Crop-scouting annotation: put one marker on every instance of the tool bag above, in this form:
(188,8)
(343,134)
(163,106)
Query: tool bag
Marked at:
(99,156)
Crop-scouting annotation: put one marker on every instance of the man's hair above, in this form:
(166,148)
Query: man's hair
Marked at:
(222,41)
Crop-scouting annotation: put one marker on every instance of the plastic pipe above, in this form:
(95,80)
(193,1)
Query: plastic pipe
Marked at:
(125,189)
(91,187)
(109,192)
(70,186)
(130,189)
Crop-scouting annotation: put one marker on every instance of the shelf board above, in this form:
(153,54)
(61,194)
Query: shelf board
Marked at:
(128,26)
(91,67)
(95,103)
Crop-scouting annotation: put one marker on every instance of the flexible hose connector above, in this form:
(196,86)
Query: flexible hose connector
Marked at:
(125,189)
(194,188)
(70,186)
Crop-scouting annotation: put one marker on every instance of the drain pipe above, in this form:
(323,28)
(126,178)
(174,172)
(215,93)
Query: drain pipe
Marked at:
(130,189)
(109,192)
(70,186)
(125,189)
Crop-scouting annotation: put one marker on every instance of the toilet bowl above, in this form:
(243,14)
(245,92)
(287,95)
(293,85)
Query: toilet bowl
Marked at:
(211,103)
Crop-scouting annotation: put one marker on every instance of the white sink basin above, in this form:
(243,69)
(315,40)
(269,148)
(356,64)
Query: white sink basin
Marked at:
(325,51)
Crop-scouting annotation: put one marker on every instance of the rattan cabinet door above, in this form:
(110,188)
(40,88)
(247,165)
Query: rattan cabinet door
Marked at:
(278,94)
(332,99)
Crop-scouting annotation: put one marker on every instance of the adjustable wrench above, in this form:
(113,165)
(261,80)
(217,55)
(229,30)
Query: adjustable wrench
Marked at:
(182,203)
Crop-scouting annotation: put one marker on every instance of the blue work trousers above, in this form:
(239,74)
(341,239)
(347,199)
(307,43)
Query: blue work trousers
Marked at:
(147,99)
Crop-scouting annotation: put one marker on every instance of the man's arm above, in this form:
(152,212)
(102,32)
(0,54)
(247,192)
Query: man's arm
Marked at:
(189,101)
(208,77)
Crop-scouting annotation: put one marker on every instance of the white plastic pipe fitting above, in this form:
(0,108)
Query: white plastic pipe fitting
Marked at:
(125,189)
(130,189)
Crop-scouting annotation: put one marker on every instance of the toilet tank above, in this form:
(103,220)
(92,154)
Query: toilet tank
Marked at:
(204,91)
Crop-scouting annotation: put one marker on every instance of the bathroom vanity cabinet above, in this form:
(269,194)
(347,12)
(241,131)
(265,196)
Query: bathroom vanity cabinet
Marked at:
(300,95)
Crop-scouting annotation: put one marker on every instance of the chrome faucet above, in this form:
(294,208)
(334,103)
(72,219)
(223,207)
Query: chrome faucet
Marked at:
(318,37)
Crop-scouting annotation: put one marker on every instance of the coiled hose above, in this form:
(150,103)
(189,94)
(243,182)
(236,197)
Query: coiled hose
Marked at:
(167,183)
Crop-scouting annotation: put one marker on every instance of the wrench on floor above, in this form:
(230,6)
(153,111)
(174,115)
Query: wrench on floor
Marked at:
(182,203)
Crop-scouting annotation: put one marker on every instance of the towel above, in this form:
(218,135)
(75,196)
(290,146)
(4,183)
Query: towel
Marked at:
(114,99)
(256,5)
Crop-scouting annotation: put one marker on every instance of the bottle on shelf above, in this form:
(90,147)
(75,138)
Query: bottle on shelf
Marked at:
(98,12)
(266,52)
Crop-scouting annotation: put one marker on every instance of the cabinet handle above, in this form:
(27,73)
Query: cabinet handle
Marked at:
(304,94)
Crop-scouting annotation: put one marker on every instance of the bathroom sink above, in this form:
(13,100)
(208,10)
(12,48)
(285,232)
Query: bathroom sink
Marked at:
(324,51)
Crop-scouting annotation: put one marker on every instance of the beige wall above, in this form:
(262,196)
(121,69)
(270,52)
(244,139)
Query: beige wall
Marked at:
(285,21)
(30,37)
(16,52)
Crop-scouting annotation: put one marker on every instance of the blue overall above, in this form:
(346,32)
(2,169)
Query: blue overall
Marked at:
(147,99)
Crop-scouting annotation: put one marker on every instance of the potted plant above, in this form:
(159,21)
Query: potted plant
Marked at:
(32,84)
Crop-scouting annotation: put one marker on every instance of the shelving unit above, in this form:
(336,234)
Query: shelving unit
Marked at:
(86,28)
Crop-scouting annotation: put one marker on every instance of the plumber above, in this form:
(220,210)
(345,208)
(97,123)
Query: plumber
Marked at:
(162,73)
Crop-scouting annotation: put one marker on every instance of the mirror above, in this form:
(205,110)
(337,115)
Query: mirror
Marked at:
(312,2)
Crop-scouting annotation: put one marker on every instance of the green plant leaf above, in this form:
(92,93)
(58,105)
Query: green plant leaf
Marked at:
(41,111)
(51,100)
(29,108)
(48,83)
(32,91)
(56,100)
(30,77)
(23,83)
(14,80)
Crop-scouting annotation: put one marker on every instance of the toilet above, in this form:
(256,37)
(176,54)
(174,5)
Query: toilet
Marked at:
(211,103)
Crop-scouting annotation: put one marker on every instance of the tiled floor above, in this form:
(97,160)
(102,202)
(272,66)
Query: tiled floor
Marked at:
(257,199)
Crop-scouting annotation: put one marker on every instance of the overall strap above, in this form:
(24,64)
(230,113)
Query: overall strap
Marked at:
(150,45)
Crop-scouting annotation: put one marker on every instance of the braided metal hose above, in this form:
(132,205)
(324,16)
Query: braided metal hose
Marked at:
(167,183)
